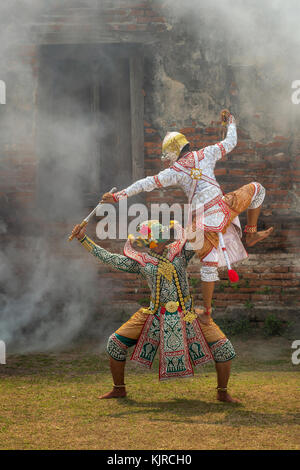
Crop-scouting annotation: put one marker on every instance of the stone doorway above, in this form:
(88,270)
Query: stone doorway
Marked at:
(89,123)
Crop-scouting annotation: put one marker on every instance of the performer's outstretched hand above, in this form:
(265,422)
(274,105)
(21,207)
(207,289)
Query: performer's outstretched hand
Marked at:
(225,114)
(108,198)
(79,232)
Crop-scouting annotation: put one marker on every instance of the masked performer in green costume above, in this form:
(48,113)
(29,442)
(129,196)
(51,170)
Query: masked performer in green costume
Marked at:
(184,335)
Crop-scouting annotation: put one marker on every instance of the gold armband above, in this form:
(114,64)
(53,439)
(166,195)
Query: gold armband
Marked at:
(87,243)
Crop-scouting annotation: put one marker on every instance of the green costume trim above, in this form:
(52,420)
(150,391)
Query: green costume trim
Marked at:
(127,341)
(222,350)
(121,262)
(116,348)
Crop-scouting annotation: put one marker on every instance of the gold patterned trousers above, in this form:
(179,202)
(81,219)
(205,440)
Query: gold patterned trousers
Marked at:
(133,327)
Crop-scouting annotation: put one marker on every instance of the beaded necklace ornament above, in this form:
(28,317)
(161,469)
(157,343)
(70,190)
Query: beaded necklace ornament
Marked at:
(166,269)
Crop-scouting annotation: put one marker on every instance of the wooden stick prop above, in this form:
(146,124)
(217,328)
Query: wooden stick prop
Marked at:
(86,220)
(233,275)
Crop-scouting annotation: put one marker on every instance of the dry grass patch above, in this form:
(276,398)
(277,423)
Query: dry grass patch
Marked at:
(50,402)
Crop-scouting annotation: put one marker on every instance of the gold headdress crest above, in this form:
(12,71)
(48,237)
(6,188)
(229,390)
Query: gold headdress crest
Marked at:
(172,145)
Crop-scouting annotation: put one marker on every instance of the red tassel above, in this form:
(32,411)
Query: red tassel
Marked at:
(233,275)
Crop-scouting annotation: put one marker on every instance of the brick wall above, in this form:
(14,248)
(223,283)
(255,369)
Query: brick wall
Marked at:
(99,20)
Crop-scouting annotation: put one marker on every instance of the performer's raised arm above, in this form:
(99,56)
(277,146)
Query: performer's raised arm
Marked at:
(168,177)
(120,262)
(220,149)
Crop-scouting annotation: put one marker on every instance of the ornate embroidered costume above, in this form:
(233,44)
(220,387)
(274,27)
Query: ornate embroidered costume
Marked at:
(194,173)
(169,324)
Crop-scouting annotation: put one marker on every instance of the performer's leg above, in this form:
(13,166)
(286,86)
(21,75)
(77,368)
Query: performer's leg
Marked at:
(117,345)
(254,237)
(249,197)
(207,292)
(223,352)
(223,374)
(209,275)
(117,369)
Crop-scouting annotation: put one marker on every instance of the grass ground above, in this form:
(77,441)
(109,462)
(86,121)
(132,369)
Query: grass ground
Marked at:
(49,401)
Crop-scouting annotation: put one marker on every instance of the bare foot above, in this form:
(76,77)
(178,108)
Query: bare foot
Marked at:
(224,396)
(117,392)
(253,238)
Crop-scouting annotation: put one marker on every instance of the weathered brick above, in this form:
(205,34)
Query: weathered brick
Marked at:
(280,276)
(220,171)
(150,13)
(187,130)
(236,172)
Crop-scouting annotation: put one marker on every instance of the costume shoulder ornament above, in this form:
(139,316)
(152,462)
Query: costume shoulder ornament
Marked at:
(188,165)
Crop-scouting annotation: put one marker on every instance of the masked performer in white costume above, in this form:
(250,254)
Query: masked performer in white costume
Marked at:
(170,323)
(194,173)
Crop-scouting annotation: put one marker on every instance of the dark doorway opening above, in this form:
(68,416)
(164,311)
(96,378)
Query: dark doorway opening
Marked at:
(89,131)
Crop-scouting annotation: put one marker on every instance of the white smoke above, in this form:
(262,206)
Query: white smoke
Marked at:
(49,287)
(259,41)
